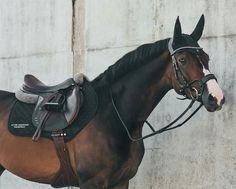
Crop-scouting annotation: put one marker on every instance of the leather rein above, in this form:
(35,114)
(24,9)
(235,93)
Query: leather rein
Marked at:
(184,85)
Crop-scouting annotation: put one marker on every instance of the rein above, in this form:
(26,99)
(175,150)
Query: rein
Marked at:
(187,85)
(163,129)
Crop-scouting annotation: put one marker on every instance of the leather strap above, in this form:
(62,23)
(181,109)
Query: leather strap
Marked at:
(66,175)
(207,78)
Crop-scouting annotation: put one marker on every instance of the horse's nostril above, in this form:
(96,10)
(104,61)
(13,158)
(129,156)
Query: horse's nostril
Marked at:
(211,99)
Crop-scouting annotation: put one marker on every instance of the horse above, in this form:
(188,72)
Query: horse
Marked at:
(102,155)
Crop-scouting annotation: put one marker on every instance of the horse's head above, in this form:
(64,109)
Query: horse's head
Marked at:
(191,76)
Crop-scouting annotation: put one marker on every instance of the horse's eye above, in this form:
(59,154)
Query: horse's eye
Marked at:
(182,61)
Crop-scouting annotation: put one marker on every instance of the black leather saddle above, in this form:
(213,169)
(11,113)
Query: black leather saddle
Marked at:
(56,106)
(34,85)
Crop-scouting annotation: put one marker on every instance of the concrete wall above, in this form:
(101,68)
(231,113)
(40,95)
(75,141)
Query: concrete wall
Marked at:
(35,37)
(202,154)
(38,37)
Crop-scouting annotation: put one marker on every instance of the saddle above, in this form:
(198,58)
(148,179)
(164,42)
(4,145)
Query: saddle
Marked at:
(56,106)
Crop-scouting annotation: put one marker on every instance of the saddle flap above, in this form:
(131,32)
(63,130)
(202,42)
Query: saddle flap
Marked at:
(73,104)
(60,118)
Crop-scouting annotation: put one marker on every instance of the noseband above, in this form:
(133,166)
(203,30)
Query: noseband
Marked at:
(181,79)
(184,85)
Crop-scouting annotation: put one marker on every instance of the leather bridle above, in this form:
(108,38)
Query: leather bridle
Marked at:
(183,82)
(184,85)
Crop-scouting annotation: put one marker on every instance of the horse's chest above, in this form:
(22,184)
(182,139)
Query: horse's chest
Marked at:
(128,168)
(108,163)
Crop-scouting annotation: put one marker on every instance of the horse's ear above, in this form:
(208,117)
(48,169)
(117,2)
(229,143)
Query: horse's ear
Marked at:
(177,31)
(197,32)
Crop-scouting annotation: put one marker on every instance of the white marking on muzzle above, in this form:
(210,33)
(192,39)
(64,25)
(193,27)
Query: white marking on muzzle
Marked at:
(213,88)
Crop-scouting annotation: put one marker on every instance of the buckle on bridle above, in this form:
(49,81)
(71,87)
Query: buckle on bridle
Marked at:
(194,94)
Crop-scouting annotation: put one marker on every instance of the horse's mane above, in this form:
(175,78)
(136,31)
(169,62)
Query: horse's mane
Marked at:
(133,60)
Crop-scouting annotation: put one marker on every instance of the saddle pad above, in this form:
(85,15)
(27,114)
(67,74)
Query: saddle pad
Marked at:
(20,119)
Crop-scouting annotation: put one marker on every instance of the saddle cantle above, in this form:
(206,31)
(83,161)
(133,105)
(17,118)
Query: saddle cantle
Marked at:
(56,106)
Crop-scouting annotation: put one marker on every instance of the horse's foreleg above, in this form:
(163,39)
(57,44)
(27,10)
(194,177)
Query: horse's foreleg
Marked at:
(1,170)
(94,185)
(122,186)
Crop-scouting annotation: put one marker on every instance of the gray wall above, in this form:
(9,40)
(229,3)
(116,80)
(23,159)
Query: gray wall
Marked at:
(43,38)
(202,154)
(35,37)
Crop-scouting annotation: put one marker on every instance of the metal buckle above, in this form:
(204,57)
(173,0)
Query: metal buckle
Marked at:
(194,91)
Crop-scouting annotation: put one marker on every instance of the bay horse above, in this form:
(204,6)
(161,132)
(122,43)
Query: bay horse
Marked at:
(102,155)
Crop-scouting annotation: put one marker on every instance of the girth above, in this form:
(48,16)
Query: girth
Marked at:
(66,175)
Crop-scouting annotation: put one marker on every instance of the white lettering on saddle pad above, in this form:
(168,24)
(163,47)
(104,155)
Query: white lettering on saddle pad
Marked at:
(20,125)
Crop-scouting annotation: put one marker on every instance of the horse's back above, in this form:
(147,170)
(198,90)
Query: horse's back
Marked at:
(6,99)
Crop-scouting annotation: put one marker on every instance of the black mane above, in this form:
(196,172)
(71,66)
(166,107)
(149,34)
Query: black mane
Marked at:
(133,60)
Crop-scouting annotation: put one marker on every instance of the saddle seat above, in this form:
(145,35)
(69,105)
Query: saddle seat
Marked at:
(34,85)
(56,106)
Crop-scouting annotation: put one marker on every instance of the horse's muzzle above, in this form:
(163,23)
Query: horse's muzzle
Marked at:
(211,104)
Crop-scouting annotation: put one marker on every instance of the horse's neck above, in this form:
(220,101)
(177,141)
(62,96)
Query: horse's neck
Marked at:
(139,92)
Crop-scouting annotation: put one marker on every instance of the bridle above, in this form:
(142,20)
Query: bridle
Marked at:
(184,85)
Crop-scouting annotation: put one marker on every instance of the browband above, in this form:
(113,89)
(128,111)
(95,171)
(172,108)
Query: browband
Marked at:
(172,51)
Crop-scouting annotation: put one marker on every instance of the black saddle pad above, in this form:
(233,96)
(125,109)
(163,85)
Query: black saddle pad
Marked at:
(20,119)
